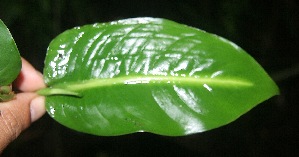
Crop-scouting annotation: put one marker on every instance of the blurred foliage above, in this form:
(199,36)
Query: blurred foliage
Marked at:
(268,30)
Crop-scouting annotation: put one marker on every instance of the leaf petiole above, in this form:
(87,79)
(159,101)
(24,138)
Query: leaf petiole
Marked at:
(57,91)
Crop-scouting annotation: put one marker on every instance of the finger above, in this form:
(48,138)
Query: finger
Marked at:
(29,79)
(14,117)
(37,108)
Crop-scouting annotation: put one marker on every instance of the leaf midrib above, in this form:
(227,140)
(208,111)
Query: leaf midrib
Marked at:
(74,88)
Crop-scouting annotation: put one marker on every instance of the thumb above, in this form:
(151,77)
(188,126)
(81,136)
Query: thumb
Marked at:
(17,115)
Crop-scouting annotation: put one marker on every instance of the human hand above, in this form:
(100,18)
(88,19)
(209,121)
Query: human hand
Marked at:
(17,115)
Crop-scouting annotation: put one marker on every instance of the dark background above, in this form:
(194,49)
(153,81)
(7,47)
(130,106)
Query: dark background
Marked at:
(267,30)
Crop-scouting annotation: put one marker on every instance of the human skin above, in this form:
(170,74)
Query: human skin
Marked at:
(27,107)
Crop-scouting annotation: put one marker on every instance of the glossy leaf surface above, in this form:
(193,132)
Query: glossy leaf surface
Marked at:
(149,74)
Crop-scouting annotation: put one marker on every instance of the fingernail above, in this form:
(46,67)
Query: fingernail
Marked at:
(37,108)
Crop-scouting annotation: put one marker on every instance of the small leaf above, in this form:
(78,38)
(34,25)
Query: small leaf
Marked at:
(149,74)
(10,61)
(6,93)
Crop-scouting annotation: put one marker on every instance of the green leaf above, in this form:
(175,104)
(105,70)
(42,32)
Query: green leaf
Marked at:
(10,61)
(152,75)
(6,93)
